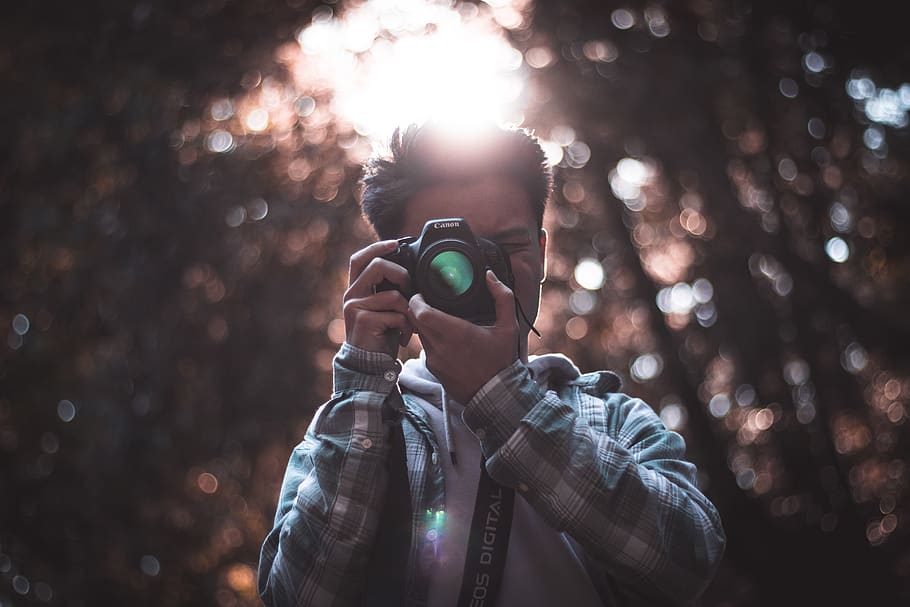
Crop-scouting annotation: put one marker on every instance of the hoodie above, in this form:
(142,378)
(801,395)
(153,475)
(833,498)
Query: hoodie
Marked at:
(544,566)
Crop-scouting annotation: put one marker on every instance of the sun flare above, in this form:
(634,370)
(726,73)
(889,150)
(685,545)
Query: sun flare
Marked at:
(393,62)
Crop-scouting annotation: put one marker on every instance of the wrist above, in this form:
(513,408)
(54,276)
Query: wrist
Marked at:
(387,343)
(496,410)
(355,368)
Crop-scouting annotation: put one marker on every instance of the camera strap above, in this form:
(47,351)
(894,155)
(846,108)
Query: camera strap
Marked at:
(488,543)
(520,310)
(386,575)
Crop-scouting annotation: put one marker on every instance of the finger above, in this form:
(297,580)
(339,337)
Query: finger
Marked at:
(364,256)
(421,314)
(503,298)
(384,301)
(377,270)
(377,324)
(429,320)
(418,309)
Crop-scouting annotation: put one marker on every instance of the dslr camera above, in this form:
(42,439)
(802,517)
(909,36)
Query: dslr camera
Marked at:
(448,264)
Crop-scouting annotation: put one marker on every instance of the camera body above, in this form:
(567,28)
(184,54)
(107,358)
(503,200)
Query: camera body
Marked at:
(448,264)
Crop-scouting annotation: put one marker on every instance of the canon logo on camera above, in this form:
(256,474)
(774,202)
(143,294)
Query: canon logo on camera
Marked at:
(439,225)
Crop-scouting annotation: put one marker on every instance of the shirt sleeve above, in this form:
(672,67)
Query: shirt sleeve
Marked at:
(333,490)
(605,470)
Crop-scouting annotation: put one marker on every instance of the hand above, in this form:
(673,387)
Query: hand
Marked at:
(377,322)
(462,355)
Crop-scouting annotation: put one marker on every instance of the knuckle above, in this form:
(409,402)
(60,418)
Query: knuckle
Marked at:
(377,265)
(400,299)
(349,308)
(357,259)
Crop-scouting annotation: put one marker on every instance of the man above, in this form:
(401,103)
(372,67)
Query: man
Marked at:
(497,478)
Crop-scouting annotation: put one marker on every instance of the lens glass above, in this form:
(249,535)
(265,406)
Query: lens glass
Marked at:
(451,274)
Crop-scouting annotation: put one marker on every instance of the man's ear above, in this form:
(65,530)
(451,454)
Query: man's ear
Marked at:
(543,254)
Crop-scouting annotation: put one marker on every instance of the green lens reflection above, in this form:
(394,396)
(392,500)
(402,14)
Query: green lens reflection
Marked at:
(451,273)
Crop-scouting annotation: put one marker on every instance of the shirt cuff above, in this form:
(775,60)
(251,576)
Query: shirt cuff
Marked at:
(495,411)
(356,369)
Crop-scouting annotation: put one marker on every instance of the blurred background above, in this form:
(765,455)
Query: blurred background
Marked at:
(178,191)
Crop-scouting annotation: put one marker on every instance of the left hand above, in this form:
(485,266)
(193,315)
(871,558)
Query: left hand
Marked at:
(462,355)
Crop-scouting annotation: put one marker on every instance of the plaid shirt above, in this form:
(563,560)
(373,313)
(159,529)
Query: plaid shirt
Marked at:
(594,463)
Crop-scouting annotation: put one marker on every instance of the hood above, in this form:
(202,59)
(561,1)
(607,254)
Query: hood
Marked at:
(416,378)
(548,370)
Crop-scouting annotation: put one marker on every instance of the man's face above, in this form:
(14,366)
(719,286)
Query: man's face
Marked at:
(498,209)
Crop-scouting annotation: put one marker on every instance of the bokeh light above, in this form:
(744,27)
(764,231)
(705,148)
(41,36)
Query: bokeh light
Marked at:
(589,273)
(881,105)
(837,249)
(646,367)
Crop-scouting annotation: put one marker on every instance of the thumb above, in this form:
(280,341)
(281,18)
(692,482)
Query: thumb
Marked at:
(503,298)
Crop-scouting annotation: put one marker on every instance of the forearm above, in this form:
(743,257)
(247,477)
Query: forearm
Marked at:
(327,515)
(623,491)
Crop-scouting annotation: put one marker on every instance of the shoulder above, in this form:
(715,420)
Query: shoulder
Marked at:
(558,371)
(599,383)
(598,397)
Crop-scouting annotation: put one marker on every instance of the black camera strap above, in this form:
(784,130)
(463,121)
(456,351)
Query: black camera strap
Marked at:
(520,310)
(488,543)
(386,578)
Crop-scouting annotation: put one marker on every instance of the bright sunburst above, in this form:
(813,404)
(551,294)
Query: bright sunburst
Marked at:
(392,62)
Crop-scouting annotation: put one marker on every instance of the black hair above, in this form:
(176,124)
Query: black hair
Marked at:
(426,155)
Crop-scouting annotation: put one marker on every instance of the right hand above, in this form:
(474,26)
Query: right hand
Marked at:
(377,322)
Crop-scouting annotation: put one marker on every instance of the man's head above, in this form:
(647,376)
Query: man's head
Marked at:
(499,183)
(429,155)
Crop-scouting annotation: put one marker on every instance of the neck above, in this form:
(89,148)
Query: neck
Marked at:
(523,348)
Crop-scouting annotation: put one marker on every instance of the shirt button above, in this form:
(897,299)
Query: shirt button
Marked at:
(390,375)
(522,487)
(366,443)
(480,434)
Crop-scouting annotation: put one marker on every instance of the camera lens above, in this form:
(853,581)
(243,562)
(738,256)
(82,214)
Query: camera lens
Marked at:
(451,273)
